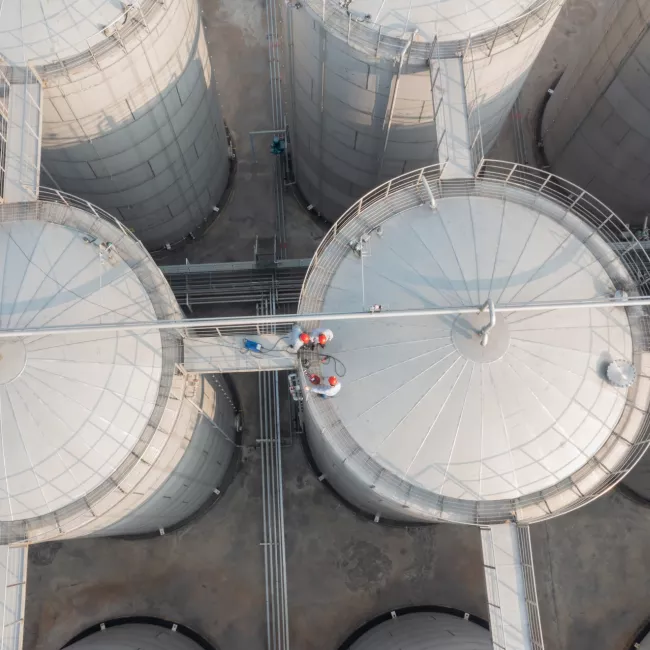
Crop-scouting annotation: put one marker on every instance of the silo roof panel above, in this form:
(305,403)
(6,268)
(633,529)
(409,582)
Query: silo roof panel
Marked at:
(72,407)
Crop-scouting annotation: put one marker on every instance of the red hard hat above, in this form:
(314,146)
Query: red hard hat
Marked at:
(304,337)
(333,381)
(322,339)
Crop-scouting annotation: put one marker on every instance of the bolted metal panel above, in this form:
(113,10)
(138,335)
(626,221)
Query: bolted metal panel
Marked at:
(131,119)
(596,126)
(362,100)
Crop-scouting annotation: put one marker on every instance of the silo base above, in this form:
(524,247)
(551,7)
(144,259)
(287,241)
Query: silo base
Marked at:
(148,632)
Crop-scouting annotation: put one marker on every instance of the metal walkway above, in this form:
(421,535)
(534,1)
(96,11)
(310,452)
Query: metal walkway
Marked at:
(236,282)
(20,133)
(511,589)
(227,354)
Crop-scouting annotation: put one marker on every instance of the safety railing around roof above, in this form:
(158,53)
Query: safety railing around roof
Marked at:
(50,195)
(160,292)
(118,33)
(527,186)
(371,38)
(5,89)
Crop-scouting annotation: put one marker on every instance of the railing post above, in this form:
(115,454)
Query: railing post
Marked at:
(61,198)
(523,29)
(494,40)
(378,42)
(349,26)
(577,198)
(388,186)
(512,171)
(543,185)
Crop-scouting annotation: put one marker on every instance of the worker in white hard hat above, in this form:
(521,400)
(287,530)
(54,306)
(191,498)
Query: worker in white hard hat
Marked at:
(330,389)
(298,338)
(322,336)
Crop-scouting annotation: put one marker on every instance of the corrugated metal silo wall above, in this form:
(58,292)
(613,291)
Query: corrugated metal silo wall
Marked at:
(596,126)
(135,637)
(197,468)
(342,100)
(140,133)
(500,77)
(355,482)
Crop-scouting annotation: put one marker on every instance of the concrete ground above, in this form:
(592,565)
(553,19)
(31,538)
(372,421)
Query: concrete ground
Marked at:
(592,566)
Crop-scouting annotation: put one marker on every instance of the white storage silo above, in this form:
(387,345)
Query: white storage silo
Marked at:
(137,636)
(131,119)
(432,425)
(596,125)
(362,72)
(423,630)
(102,433)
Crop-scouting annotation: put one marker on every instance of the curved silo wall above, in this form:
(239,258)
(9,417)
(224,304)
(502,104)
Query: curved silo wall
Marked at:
(137,129)
(182,455)
(500,75)
(364,114)
(596,126)
(198,466)
(425,631)
(136,636)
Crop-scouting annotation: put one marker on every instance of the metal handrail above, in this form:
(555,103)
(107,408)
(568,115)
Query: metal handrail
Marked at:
(51,195)
(371,39)
(94,47)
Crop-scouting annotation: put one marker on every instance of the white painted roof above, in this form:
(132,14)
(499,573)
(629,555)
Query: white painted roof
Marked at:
(71,407)
(426,401)
(34,30)
(450,19)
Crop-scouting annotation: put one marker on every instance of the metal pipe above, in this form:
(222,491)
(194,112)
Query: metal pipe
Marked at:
(294,318)
(485,331)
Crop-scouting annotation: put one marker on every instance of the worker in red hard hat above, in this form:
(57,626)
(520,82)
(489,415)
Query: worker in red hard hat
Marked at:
(330,389)
(322,335)
(298,338)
